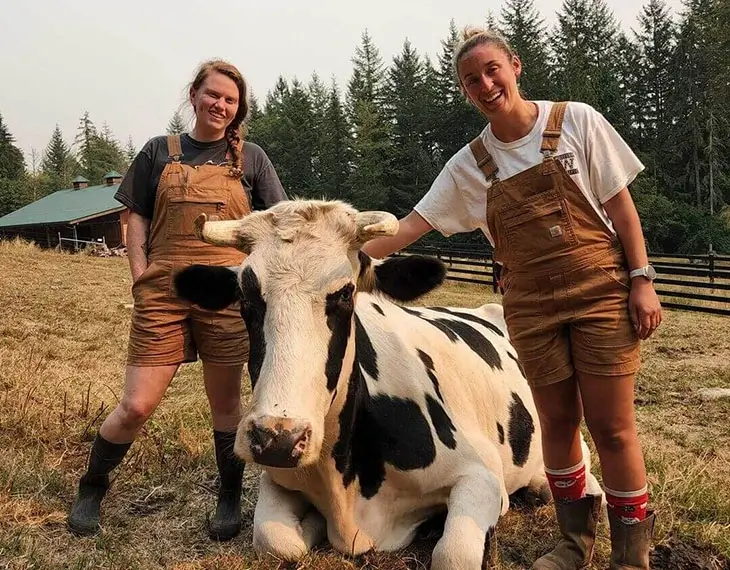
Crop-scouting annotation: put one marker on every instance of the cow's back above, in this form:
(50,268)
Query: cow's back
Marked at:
(460,361)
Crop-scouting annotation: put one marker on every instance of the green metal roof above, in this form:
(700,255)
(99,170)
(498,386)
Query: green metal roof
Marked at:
(66,207)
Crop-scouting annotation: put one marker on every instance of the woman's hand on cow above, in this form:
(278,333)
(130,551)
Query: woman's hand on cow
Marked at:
(644,307)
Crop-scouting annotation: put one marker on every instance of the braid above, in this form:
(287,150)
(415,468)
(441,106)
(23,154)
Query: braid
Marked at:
(233,136)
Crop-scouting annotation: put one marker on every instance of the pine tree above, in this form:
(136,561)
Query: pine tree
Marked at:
(58,160)
(690,104)
(585,56)
(12,161)
(409,109)
(317,92)
(655,42)
(176,126)
(368,75)
(456,121)
(371,146)
(285,130)
(84,142)
(334,148)
(525,30)
(129,151)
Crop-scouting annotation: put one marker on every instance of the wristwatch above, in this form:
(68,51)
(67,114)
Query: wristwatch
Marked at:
(647,271)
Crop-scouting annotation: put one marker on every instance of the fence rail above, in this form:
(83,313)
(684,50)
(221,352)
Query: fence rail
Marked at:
(695,282)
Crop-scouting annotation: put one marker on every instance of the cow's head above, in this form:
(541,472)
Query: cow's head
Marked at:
(297,289)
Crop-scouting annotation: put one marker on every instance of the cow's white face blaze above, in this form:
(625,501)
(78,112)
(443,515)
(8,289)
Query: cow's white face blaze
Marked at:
(299,314)
(297,289)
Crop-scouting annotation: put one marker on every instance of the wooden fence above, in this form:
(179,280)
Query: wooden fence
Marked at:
(687,282)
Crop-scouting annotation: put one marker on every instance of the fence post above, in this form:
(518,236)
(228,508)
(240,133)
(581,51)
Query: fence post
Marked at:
(711,261)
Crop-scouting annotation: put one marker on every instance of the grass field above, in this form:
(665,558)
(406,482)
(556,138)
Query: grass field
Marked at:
(63,331)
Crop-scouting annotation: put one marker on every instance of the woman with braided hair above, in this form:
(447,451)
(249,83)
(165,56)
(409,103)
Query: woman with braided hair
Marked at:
(170,182)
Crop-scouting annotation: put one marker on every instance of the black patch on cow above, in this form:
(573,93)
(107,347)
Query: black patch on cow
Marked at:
(500,431)
(366,355)
(469,317)
(253,311)
(444,329)
(519,364)
(379,430)
(428,363)
(339,307)
(378,308)
(365,263)
(476,341)
(211,287)
(441,422)
(409,277)
(521,428)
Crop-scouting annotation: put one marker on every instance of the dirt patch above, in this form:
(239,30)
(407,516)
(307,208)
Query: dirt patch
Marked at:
(680,554)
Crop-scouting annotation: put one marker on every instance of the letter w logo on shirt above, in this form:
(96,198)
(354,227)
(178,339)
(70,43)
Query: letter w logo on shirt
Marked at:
(568,162)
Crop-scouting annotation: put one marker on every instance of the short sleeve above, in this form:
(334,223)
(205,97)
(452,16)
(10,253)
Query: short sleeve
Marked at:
(267,189)
(612,165)
(137,190)
(444,207)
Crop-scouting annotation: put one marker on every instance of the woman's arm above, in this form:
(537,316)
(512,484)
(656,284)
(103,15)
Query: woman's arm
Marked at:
(138,230)
(644,306)
(410,228)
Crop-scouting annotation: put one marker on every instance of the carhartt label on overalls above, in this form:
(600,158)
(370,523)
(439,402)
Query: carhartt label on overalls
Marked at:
(556,231)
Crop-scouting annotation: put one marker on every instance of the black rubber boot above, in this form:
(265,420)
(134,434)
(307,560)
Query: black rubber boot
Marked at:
(226,523)
(83,519)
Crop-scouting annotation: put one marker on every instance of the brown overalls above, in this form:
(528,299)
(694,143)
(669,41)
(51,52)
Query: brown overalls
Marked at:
(165,329)
(566,285)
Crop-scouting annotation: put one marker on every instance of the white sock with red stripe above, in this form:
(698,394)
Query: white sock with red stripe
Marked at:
(629,506)
(569,484)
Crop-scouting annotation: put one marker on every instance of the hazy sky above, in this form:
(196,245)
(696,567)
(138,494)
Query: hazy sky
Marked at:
(128,62)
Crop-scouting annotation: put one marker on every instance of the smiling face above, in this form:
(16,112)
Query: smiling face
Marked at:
(216,103)
(488,76)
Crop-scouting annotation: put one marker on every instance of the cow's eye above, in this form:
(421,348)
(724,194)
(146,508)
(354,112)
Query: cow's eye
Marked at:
(346,294)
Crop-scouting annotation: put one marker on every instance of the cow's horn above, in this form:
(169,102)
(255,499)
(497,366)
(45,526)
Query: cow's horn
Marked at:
(219,232)
(374,224)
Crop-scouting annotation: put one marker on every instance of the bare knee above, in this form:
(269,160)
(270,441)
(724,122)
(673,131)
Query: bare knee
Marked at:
(612,438)
(559,424)
(133,414)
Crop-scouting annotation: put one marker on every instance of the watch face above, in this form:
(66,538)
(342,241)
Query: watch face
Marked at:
(651,272)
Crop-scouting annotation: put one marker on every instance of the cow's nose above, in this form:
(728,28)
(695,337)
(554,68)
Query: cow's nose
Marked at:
(278,442)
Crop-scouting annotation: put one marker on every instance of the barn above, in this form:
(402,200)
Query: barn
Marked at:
(72,216)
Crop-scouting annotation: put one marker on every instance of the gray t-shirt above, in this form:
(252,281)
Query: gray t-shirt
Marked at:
(139,186)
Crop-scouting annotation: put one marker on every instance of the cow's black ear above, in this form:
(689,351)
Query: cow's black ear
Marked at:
(211,287)
(409,277)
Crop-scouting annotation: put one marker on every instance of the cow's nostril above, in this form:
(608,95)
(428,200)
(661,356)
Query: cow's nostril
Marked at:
(301,443)
(261,437)
(278,442)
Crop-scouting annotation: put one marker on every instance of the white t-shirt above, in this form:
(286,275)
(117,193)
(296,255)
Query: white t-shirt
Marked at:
(590,149)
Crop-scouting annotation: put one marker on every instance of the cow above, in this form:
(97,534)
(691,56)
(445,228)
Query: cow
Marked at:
(368,416)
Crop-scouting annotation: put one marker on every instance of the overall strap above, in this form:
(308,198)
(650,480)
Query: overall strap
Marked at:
(551,135)
(485,162)
(174,147)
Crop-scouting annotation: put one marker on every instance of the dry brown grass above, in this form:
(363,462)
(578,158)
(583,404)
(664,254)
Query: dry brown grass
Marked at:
(63,332)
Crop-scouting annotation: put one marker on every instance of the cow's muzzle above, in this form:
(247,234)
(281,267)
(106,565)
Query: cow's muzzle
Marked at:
(278,442)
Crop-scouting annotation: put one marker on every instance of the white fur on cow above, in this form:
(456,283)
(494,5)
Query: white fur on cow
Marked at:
(368,417)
